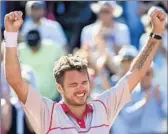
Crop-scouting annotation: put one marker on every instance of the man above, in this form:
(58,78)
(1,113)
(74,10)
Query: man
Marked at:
(48,29)
(74,115)
(114,33)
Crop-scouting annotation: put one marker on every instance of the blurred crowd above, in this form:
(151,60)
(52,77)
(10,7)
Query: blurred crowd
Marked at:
(109,35)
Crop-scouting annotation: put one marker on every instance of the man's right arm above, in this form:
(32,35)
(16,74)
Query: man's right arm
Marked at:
(13,73)
(36,107)
(13,21)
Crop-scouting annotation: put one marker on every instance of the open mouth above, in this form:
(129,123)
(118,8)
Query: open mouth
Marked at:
(80,95)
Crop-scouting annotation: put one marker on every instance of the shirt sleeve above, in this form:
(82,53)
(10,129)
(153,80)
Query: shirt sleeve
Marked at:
(115,98)
(37,109)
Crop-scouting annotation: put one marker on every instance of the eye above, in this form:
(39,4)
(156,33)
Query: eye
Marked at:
(85,82)
(73,85)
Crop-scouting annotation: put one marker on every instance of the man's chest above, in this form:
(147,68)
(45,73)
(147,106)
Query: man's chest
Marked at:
(65,124)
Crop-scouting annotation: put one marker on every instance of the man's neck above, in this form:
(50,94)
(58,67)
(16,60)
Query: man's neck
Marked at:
(78,111)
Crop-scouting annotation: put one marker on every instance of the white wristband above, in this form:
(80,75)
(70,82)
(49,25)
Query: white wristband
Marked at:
(11,39)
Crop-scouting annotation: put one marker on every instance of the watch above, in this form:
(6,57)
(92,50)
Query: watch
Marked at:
(156,36)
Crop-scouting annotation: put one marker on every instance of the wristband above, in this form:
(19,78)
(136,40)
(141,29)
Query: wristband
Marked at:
(156,36)
(11,39)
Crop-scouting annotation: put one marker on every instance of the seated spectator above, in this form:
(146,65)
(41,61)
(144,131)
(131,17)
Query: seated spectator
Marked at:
(48,29)
(114,33)
(41,54)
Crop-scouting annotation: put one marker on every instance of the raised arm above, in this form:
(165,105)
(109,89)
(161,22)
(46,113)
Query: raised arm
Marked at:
(142,62)
(13,21)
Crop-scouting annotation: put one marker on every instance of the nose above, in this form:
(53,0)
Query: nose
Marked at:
(81,88)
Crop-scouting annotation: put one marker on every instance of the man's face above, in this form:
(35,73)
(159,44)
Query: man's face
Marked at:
(76,88)
(106,14)
(37,13)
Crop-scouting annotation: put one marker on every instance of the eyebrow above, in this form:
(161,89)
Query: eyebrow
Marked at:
(72,83)
(84,81)
(77,83)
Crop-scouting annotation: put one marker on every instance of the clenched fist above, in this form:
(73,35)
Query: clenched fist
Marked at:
(13,21)
(158,19)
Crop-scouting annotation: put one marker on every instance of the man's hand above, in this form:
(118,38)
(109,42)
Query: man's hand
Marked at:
(13,21)
(158,19)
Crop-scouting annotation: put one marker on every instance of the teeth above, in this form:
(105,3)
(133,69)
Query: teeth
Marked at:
(80,95)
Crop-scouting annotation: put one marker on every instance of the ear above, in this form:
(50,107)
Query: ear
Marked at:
(59,88)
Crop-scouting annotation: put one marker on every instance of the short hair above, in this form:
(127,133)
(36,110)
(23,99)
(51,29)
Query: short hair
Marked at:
(68,63)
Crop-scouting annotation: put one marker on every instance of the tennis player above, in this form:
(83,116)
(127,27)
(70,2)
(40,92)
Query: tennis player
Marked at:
(74,114)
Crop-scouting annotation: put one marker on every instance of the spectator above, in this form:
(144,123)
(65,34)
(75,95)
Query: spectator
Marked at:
(41,54)
(123,61)
(14,119)
(133,20)
(145,5)
(114,33)
(78,14)
(148,109)
(48,29)
(25,70)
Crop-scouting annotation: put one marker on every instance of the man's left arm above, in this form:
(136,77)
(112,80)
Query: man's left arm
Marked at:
(115,98)
(143,61)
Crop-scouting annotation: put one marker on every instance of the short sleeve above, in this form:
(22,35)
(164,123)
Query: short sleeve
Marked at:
(115,98)
(37,109)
